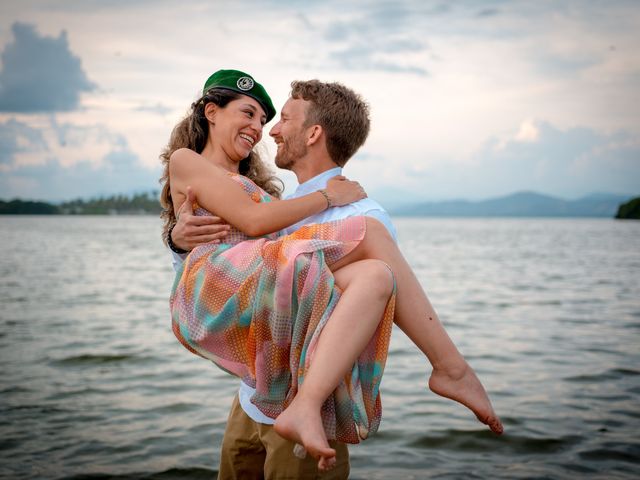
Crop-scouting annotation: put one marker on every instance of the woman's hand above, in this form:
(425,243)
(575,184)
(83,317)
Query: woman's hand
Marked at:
(342,191)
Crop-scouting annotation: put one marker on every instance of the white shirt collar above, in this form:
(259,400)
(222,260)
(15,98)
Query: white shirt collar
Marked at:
(316,183)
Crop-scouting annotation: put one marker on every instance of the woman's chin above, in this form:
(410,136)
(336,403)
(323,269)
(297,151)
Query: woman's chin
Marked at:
(244,148)
(243,153)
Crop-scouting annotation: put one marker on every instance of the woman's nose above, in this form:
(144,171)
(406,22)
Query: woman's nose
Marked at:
(256,126)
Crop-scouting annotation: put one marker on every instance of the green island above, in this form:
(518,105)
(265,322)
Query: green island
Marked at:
(136,204)
(629,210)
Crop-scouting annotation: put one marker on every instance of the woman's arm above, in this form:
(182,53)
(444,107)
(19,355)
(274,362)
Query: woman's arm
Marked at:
(219,194)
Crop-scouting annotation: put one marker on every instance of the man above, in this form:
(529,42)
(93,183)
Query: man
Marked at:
(321,127)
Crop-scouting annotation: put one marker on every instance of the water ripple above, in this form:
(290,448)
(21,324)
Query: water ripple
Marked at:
(484,441)
(171,474)
(94,359)
(618,452)
(94,384)
(613,374)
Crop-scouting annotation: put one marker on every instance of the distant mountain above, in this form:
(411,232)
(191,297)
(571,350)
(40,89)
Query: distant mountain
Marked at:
(520,204)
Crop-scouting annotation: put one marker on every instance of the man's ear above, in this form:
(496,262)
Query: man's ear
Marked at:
(210,110)
(314,133)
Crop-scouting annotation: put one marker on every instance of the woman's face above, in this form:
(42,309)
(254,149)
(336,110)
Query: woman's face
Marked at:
(236,128)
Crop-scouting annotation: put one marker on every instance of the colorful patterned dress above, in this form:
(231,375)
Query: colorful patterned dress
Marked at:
(256,308)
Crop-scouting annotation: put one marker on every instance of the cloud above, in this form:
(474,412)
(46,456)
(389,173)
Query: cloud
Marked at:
(528,132)
(574,161)
(474,70)
(38,139)
(61,161)
(536,156)
(158,108)
(17,138)
(378,39)
(488,12)
(363,57)
(120,172)
(40,74)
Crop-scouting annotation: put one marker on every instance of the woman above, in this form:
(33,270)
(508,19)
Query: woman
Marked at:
(248,331)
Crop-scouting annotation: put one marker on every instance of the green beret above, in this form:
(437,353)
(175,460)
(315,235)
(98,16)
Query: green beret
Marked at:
(243,83)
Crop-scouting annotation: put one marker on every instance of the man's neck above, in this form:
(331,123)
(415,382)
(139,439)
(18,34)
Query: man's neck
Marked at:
(305,171)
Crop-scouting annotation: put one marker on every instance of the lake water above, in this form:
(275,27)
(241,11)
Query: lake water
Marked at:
(94,385)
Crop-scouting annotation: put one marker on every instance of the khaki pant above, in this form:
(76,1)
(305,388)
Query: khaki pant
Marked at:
(253,451)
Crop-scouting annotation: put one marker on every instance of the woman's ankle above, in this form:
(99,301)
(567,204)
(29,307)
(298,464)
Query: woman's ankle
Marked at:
(453,369)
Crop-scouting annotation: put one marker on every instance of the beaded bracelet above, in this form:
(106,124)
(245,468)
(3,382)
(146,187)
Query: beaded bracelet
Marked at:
(171,245)
(326,196)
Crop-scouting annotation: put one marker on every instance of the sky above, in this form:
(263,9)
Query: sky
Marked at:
(469,99)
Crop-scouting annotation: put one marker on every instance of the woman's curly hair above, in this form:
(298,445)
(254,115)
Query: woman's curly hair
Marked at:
(192,133)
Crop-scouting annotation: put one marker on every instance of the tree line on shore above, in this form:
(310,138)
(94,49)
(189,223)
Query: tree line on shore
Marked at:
(136,204)
(630,210)
(148,204)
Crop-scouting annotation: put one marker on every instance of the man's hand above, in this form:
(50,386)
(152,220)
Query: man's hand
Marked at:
(191,231)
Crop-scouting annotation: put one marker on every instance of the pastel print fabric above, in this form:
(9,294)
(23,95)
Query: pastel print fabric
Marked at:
(256,308)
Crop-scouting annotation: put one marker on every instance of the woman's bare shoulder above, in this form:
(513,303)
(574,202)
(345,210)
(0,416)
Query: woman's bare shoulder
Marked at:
(183,154)
(181,162)
(185,161)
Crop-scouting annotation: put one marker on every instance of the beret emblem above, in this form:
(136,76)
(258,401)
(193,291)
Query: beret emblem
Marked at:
(245,83)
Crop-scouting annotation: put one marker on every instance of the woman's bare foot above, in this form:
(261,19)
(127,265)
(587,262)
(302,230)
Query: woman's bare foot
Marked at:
(301,423)
(462,385)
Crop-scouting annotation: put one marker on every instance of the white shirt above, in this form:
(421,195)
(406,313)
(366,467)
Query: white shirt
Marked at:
(366,207)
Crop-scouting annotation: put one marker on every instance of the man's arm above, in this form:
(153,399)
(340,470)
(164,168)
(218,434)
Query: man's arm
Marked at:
(191,230)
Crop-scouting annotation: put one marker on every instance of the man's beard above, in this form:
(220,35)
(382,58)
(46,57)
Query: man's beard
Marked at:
(289,153)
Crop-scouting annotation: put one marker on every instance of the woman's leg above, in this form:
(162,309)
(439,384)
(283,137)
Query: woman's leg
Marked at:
(452,377)
(366,288)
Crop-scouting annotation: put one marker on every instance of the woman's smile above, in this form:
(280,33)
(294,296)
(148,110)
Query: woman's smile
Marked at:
(248,139)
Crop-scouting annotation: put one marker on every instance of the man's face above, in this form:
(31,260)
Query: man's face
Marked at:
(289,133)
